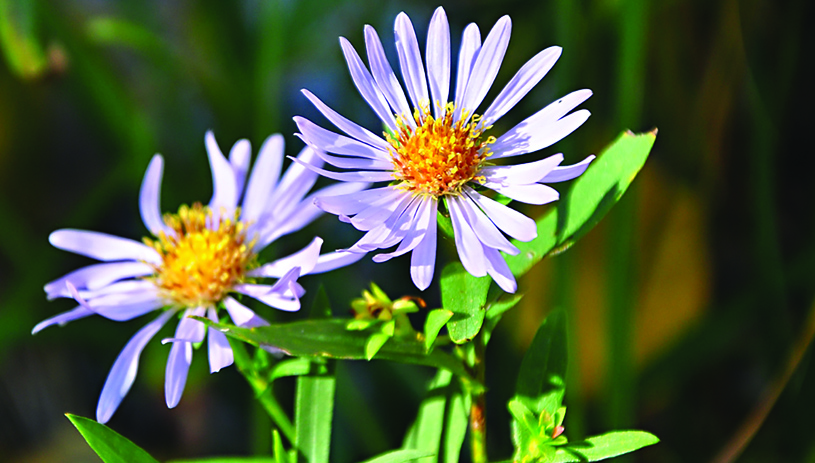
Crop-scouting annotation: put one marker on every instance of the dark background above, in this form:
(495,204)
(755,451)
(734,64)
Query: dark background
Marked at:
(685,304)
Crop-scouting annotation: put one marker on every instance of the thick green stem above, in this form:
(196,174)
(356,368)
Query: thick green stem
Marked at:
(478,409)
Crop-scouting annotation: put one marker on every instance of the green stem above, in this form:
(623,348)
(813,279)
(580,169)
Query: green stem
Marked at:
(478,409)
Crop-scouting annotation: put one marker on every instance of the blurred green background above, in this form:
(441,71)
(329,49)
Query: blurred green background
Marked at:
(685,304)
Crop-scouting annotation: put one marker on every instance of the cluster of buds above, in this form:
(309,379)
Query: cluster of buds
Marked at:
(376,305)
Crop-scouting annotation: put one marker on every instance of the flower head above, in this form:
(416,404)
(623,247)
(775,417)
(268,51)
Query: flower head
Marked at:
(439,148)
(196,260)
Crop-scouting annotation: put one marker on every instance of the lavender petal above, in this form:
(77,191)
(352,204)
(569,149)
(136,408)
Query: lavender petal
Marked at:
(486,65)
(386,78)
(225,190)
(563,173)
(102,246)
(220,353)
(366,85)
(438,61)
(410,60)
(263,179)
(149,198)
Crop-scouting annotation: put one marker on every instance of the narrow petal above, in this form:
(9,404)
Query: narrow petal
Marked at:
(416,232)
(97,276)
(326,140)
(239,158)
(225,190)
(334,260)
(469,248)
(102,246)
(282,295)
(486,65)
(149,198)
(467,53)
(242,315)
(438,61)
(220,354)
(296,182)
(366,85)
(121,287)
(356,162)
(178,363)
(484,229)
(75,314)
(385,77)
(352,129)
(510,221)
(521,174)
(563,173)
(423,258)
(263,179)
(381,211)
(536,193)
(524,80)
(305,258)
(353,203)
(360,176)
(125,367)
(115,307)
(538,130)
(410,60)
(498,269)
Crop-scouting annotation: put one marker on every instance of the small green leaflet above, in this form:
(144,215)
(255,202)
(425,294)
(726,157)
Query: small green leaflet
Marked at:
(465,296)
(111,446)
(587,201)
(604,446)
(436,319)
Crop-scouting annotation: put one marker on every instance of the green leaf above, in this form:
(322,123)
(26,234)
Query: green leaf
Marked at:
(587,201)
(435,321)
(278,451)
(543,369)
(290,367)
(231,460)
(425,433)
(445,225)
(604,446)
(331,339)
(374,343)
(399,456)
(111,446)
(314,407)
(455,424)
(18,42)
(465,296)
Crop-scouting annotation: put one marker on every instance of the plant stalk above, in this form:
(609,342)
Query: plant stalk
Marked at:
(478,408)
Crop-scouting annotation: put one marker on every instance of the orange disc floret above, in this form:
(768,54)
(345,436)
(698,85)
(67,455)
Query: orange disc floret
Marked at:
(204,260)
(439,156)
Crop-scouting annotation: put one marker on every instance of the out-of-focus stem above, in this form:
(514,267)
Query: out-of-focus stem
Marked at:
(478,409)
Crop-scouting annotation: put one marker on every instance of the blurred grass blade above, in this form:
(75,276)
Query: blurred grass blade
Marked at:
(543,368)
(604,446)
(399,456)
(314,409)
(229,460)
(465,296)
(425,433)
(24,54)
(111,446)
(116,31)
(588,200)
(455,424)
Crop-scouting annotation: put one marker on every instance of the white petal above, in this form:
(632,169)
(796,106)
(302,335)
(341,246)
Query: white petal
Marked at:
(353,129)
(74,314)
(220,353)
(334,260)
(225,190)
(563,173)
(353,203)
(467,244)
(366,85)
(410,60)
(149,198)
(522,174)
(359,176)
(356,162)
(385,77)
(484,229)
(239,158)
(510,221)
(97,276)
(524,80)
(499,271)
(438,61)
(487,64)
(535,193)
(417,230)
(326,140)
(423,258)
(263,179)
(468,52)
(102,246)
(242,315)
(305,258)
(381,210)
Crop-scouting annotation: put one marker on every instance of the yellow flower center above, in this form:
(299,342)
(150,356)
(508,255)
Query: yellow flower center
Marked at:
(439,156)
(201,264)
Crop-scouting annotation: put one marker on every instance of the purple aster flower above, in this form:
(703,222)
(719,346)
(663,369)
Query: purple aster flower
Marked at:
(438,148)
(196,259)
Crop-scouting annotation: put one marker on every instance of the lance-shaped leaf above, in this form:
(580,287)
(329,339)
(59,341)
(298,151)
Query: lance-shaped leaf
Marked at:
(111,446)
(543,369)
(399,456)
(604,446)
(331,339)
(314,406)
(589,199)
(465,296)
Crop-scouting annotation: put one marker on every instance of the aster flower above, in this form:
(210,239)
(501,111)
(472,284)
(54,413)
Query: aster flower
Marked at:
(439,148)
(196,259)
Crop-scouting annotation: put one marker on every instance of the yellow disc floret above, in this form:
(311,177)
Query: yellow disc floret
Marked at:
(205,258)
(439,156)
